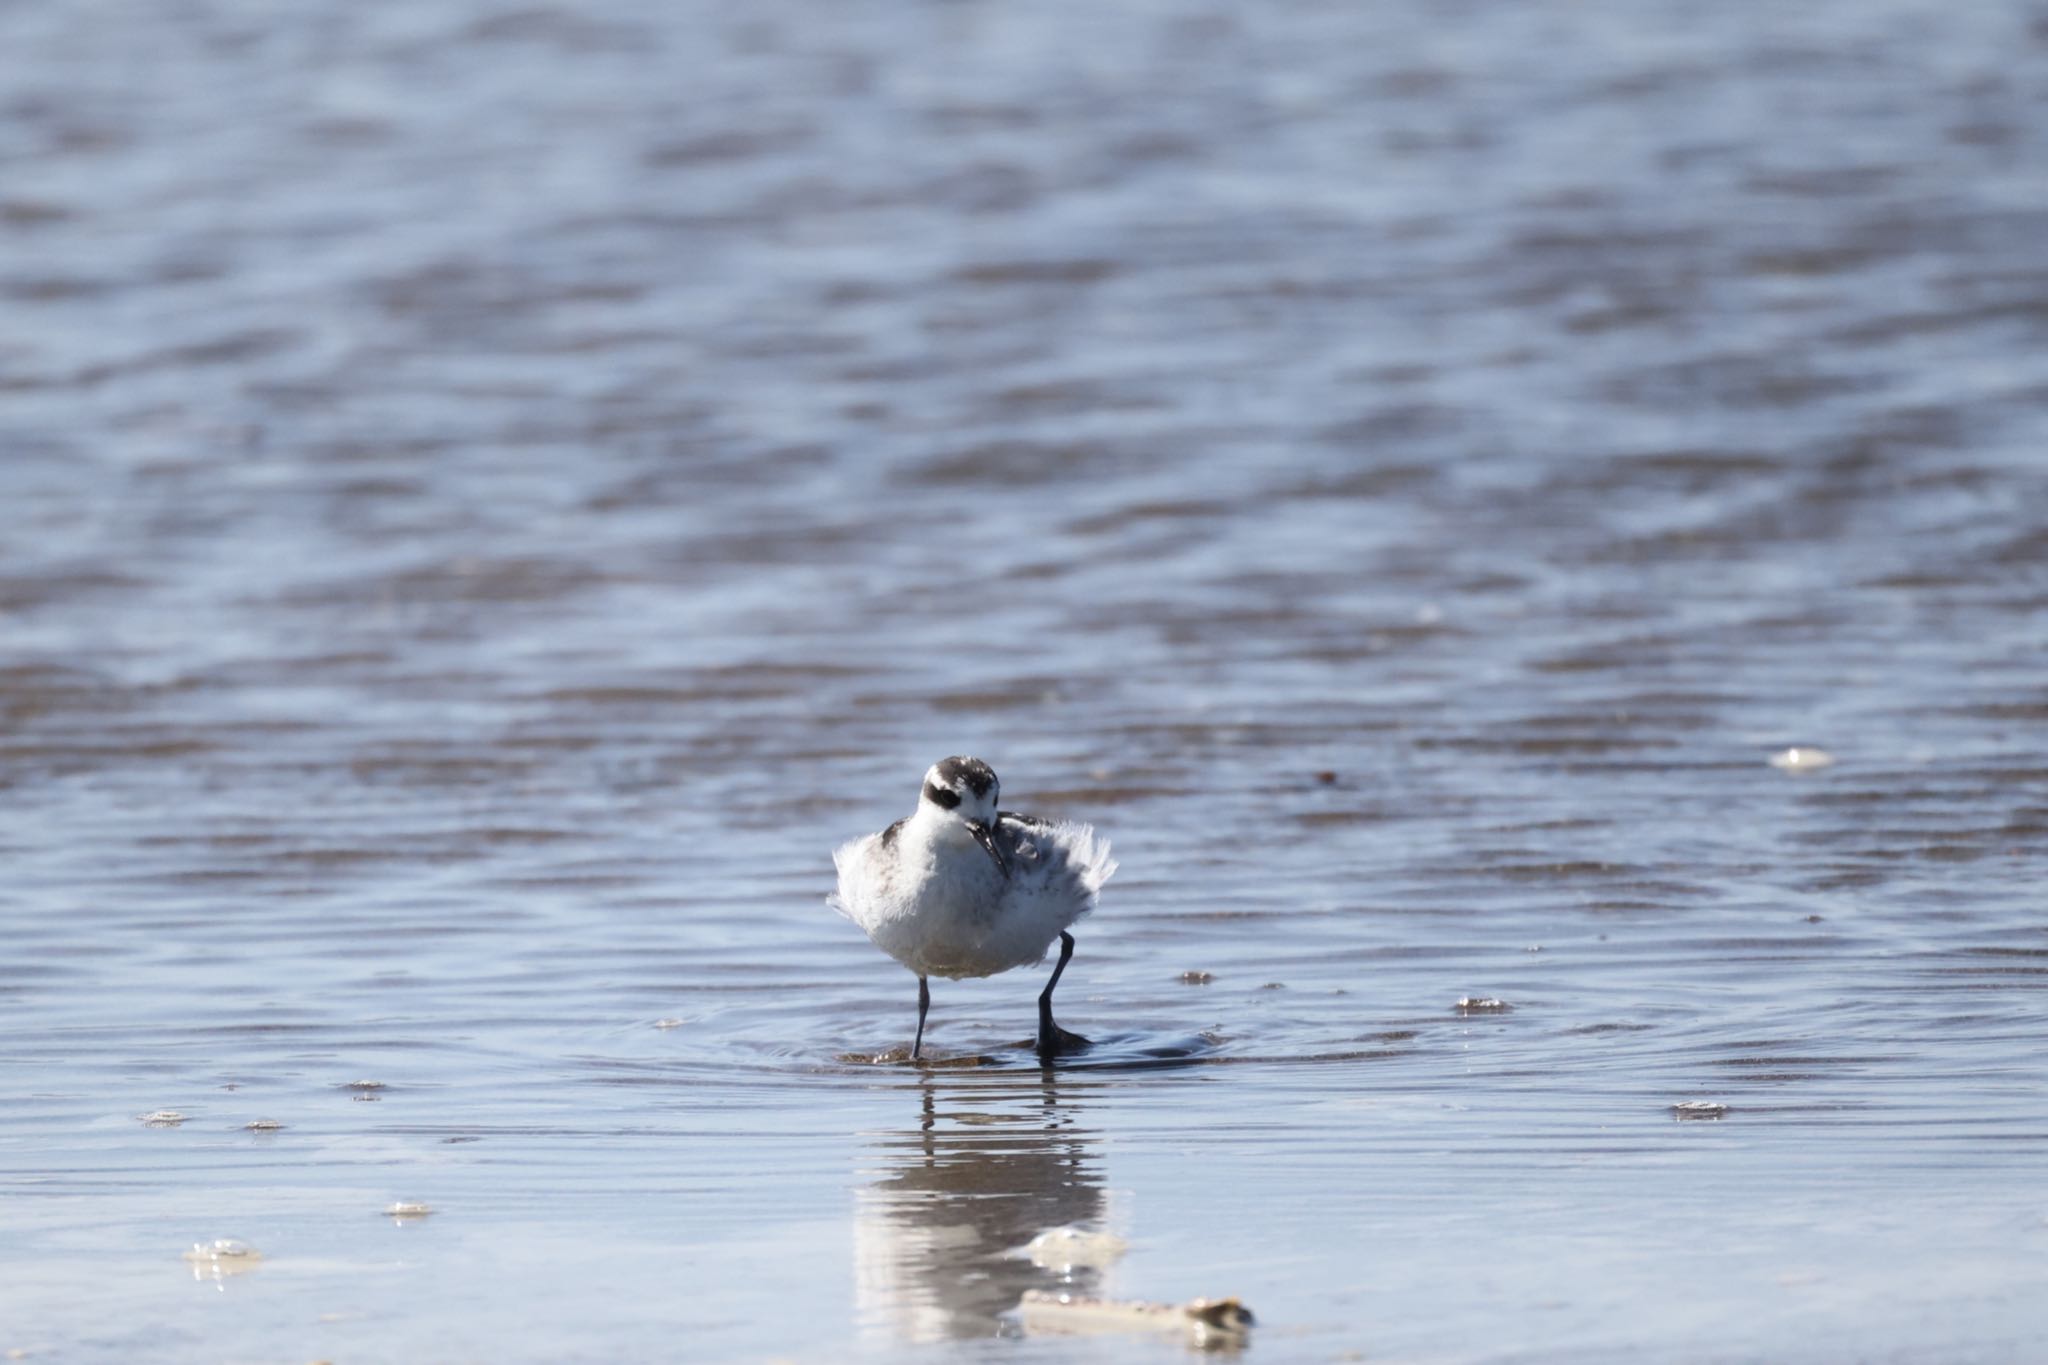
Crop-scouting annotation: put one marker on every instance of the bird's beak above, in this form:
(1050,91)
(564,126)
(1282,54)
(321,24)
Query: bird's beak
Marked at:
(987,840)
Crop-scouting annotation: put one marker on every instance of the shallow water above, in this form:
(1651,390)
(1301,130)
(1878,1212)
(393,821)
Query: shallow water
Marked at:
(495,494)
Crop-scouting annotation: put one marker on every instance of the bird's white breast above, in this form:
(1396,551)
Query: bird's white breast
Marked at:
(933,899)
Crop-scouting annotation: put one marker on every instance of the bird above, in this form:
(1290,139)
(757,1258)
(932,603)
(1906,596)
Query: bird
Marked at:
(962,889)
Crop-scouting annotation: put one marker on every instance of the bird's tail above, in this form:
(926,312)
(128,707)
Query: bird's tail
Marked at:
(1088,857)
(841,857)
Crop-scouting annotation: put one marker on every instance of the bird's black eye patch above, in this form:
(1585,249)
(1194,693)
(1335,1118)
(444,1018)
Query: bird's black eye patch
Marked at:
(940,797)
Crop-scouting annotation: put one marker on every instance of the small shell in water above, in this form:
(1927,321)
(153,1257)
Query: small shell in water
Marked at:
(1063,1250)
(1482,1004)
(262,1126)
(222,1249)
(1698,1109)
(403,1209)
(163,1118)
(1801,760)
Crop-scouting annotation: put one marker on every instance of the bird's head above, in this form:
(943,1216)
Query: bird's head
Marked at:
(963,788)
(966,790)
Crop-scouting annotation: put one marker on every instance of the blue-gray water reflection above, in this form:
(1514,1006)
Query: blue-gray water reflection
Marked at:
(494,494)
(941,1230)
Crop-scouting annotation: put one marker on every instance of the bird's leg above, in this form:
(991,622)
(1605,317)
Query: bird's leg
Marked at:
(924,1002)
(1052,1039)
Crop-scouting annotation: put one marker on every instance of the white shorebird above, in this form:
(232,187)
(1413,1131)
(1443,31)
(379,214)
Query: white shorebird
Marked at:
(962,889)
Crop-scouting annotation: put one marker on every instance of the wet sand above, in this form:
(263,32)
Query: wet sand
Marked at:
(495,495)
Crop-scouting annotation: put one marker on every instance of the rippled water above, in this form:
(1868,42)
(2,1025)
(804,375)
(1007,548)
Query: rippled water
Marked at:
(495,494)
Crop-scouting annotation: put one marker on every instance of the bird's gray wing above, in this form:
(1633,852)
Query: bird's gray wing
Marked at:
(1021,837)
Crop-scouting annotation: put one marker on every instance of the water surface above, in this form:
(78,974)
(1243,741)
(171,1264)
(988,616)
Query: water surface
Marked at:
(494,494)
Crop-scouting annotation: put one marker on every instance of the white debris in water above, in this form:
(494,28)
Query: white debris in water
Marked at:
(364,1085)
(261,1126)
(1801,760)
(405,1209)
(1066,1249)
(1209,1323)
(668,1023)
(163,1118)
(222,1249)
(1482,1004)
(1698,1109)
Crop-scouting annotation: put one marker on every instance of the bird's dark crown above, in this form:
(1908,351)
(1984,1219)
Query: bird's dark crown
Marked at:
(964,774)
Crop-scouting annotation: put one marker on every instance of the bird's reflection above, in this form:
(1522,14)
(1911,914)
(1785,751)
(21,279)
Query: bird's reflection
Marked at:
(989,1163)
